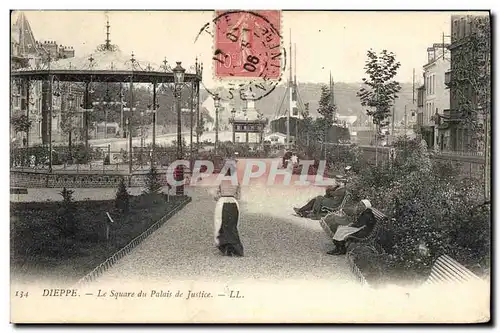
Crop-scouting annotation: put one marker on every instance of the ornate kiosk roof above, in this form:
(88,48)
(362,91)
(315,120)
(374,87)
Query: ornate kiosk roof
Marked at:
(108,63)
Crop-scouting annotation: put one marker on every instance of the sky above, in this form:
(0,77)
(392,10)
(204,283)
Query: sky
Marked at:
(325,40)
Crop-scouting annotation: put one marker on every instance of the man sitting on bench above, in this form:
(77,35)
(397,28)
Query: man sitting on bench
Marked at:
(361,228)
(331,200)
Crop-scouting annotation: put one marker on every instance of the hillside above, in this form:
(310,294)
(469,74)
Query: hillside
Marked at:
(345,98)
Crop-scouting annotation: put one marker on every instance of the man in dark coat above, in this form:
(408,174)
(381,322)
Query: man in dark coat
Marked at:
(334,195)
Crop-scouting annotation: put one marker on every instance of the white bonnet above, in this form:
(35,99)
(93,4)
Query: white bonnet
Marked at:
(367,203)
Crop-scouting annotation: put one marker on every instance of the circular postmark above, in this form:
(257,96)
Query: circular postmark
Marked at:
(248,56)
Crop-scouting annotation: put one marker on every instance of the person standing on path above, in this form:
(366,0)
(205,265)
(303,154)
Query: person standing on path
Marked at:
(226,218)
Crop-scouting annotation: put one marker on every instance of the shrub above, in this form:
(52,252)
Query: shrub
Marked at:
(153,183)
(122,197)
(341,156)
(434,212)
(66,215)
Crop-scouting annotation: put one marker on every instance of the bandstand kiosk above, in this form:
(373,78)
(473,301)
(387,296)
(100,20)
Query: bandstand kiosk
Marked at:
(109,64)
(248,121)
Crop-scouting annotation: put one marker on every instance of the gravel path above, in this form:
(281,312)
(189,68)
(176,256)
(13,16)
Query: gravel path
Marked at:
(277,245)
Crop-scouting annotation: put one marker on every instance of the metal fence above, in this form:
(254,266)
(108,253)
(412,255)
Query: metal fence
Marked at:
(92,160)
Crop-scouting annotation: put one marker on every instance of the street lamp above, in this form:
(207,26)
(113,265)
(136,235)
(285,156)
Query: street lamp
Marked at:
(217,105)
(233,115)
(179,82)
(142,129)
(129,125)
(126,125)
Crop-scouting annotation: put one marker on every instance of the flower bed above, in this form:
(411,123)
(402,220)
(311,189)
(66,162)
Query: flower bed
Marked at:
(43,248)
(435,212)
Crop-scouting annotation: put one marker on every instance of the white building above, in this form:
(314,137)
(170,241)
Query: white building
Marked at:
(436,94)
(276,138)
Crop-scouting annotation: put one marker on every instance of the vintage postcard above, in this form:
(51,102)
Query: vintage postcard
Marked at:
(250,166)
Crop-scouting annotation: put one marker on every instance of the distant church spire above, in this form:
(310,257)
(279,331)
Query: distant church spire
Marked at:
(27,42)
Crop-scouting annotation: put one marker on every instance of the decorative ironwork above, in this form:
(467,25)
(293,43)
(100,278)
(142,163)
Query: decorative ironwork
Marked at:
(91,61)
(107,46)
(166,67)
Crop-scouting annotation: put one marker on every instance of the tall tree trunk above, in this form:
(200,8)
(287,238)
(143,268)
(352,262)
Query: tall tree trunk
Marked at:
(69,143)
(486,158)
(376,145)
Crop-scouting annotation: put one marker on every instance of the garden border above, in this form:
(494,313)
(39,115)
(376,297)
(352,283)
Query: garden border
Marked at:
(356,270)
(108,263)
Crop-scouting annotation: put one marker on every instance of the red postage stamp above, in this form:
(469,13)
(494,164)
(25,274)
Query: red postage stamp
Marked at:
(247,44)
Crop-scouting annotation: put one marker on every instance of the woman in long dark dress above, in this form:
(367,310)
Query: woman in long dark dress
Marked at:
(362,227)
(226,218)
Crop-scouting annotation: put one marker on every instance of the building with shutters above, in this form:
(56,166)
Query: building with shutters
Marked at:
(31,100)
(454,133)
(434,95)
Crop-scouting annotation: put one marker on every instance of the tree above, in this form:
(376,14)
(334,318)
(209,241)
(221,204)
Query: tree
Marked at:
(21,123)
(201,126)
(67,214)
(471,83)
(327,110)
(307,127)
(122,197)
(153,184)
(471,76)
(379,90)
(68,126)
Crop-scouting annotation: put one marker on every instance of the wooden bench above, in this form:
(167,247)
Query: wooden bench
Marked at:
(446,270)
(370,240)
(331,211)
(18,190)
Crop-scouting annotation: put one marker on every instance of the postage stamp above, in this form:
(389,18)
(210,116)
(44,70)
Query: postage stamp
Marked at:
(247,44)
(242,166)
(248,57)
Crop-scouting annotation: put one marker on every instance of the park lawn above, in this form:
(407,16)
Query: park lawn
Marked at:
(40,251)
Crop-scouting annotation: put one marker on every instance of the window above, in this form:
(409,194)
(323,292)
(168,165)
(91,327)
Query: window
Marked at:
(455,30)
(461,34)
(468,27)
